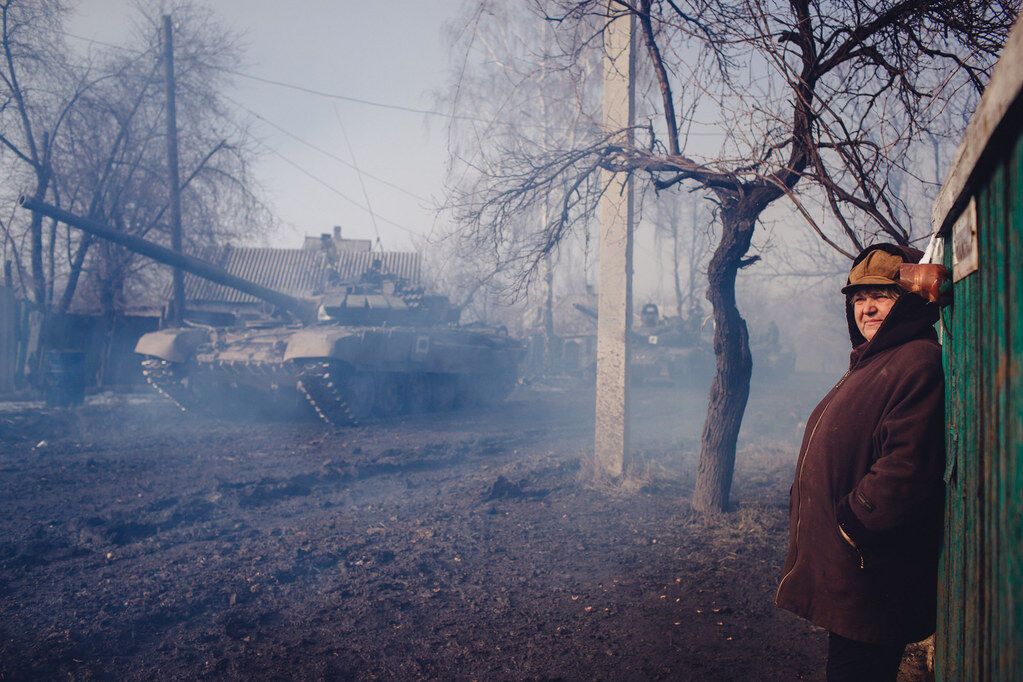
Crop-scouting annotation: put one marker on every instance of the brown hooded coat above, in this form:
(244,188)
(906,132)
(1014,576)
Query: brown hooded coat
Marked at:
(872,460)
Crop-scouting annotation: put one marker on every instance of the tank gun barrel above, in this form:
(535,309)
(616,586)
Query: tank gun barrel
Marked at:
(161,254)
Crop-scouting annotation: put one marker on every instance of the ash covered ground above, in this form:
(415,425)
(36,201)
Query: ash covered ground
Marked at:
(138,542)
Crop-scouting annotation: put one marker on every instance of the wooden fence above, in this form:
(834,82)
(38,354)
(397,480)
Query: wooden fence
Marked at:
(979,218)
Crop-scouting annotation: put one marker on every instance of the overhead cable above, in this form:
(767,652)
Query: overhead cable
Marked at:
(323,151)
(362,183)
(335,190)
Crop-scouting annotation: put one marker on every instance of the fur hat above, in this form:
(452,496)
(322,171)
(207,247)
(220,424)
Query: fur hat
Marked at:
(876,267)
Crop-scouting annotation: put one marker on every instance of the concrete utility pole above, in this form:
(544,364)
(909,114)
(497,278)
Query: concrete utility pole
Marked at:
(548,259)
(172,167)
(611,439)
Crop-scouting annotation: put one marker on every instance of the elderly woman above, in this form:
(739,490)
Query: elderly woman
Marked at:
(866,506)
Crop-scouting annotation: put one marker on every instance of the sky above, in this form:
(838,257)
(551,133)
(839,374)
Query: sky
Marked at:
(391,53)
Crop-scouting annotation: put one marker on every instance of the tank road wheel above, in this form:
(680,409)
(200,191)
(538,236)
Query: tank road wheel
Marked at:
(359,389)
(442,392)
(391,394)
(169,380)
(418,392)
(431,392)
(318,382)
(484,389)
(497,387)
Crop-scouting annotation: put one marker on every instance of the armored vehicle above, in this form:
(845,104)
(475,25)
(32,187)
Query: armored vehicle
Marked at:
(667,350)
(672,349)
(772,361)
(375,346)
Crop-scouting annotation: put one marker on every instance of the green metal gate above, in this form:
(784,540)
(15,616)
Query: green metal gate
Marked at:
(979,217)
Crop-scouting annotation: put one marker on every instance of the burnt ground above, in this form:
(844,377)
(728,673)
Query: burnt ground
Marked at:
(137,542)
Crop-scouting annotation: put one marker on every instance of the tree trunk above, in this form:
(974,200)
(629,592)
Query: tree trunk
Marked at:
(111,288)
(107,315)
(75,273)
(36,232)
(548,312)
(730,388)
(51,263)
(693,257)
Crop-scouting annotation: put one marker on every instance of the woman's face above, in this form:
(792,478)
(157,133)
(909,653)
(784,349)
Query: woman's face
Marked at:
(870,307)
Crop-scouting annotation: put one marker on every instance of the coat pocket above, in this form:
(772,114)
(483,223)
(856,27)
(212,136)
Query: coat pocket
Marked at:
(850,549)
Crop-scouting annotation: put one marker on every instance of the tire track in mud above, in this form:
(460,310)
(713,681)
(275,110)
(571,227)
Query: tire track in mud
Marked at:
(82,535)
(229,608)
(247,535)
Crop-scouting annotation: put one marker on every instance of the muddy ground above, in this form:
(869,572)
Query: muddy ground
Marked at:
(137,542)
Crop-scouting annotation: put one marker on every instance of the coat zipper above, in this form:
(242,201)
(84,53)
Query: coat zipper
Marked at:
(799,477)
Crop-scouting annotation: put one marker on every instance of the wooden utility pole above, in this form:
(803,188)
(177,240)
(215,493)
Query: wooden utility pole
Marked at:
(178,311)
(614,325)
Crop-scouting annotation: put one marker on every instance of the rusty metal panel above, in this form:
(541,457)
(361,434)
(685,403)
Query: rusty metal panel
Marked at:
(993,349)
(958,584)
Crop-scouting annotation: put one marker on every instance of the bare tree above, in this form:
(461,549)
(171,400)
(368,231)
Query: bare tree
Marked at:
(759,100)
(510,91)
(101,152)
(32,116)
(115,168)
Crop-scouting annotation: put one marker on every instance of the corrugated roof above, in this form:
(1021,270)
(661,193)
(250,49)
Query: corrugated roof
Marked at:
(404,264)
(297,272)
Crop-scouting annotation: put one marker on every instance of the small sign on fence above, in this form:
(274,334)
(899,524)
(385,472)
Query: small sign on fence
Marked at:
(964,242)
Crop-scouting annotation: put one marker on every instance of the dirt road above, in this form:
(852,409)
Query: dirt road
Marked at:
(139,542)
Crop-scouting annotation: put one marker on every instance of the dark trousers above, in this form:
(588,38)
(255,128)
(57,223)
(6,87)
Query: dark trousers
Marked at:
(850,661)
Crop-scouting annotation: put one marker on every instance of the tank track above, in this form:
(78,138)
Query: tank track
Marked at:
(163,377)
(319,383)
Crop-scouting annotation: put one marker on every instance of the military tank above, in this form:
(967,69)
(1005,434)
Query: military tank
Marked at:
(373,347)
(666,350)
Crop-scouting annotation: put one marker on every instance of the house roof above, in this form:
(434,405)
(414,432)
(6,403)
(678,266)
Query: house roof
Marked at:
(296,272)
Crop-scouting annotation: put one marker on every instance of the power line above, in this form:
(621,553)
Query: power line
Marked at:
(382,105)
(314,91)
(322,150)
(362,183)
(302,88)
(359,100)
(427,112)
(286,159)
(335,190)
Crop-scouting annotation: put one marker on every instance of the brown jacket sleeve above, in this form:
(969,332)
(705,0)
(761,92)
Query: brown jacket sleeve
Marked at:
(906,478)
